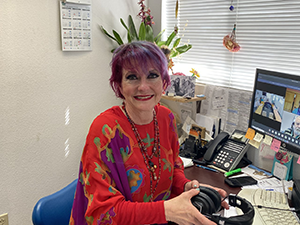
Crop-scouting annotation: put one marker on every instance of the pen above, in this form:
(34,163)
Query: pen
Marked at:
(207,168)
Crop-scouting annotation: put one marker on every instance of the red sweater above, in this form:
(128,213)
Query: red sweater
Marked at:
(114,183)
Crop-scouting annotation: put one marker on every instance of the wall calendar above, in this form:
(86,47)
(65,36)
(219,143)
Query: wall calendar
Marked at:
(76,27)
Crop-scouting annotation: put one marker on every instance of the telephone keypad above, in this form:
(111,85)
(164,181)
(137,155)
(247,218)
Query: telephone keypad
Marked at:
(227,154)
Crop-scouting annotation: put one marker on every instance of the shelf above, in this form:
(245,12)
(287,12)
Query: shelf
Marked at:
(182,99)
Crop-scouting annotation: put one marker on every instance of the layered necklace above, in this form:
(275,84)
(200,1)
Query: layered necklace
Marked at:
(155,152)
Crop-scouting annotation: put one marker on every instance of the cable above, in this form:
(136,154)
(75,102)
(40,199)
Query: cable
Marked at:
(224,198)
(266,207)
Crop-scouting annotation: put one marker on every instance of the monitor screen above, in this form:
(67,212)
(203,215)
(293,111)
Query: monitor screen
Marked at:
(275,108)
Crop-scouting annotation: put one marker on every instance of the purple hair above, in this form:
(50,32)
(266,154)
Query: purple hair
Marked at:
(137,56)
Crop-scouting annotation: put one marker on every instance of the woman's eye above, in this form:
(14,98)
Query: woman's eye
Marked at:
(131,77)
(153,75)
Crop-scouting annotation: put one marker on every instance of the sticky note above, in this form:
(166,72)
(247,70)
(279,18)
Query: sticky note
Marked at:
(268,140)
(237,135)
(275,145)
(258,137)
(250,134)
(254,143)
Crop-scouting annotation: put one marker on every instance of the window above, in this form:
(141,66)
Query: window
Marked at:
(268,32)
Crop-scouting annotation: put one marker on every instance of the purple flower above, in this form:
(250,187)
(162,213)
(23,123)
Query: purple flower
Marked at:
(145,14)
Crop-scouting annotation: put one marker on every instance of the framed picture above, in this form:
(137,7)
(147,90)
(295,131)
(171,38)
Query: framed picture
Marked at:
(182,86)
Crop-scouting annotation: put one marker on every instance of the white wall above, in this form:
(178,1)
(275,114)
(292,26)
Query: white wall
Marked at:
(38,82)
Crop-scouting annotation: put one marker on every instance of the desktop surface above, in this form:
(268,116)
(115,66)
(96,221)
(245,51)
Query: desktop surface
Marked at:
(217,180)
(209,177)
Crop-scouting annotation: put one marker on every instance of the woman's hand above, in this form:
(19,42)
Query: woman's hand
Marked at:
(195,184)
(191,185)
(181,211)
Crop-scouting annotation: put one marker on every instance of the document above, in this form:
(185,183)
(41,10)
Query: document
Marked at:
(205,121)
(232,106)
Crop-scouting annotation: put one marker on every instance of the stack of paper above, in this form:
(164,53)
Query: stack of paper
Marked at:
(187,162)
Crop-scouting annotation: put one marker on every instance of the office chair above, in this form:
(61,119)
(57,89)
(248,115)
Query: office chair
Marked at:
(55,208)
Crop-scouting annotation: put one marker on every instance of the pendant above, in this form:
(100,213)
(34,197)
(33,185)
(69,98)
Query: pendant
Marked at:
(152,169)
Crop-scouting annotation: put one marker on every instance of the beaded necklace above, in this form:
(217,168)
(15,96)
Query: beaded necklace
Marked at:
(155,151)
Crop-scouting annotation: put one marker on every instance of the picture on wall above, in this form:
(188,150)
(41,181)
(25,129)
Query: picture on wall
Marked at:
(182,86)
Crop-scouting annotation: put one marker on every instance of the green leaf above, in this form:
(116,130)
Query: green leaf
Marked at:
(173,54)
(128,32)
(132,30)
(118,38)
(170,39)
(107,34)
(160,43)
(124,25)
(128,37)
(149,34)
(142,32)
(158,37)
(182,49)
(176,43)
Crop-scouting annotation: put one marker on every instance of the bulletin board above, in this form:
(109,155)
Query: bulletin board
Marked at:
(76,27)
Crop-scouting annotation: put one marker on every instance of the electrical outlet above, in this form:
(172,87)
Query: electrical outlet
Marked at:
(4,219)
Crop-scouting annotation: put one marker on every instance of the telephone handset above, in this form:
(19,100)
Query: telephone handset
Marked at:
(225,151)
(214,145)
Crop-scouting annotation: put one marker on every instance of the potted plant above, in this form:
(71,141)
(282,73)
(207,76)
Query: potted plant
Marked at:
(171,47)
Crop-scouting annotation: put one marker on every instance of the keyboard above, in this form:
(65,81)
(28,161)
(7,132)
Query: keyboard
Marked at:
(273,199)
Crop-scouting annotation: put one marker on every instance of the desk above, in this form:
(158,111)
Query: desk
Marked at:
(209,177)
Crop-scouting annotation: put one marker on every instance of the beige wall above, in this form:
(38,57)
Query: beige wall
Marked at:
(40,85)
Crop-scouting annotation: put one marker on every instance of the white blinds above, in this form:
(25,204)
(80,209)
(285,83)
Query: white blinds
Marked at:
(268,32)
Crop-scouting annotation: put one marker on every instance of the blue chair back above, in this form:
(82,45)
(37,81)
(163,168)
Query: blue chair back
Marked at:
(55,209)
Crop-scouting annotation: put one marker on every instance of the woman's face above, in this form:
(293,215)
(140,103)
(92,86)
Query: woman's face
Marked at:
(141,91)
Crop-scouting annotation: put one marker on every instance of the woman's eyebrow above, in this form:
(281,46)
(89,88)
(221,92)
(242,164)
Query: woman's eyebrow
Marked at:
(130,72)
(153,71)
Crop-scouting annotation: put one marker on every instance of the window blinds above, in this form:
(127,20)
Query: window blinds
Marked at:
(268,32)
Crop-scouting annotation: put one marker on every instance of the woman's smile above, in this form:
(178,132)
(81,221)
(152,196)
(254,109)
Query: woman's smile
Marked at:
(143,97)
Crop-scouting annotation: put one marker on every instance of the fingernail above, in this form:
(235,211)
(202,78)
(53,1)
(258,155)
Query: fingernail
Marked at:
(198,189)
(195,185)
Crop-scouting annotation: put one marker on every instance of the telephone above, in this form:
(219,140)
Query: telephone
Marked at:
(226,151)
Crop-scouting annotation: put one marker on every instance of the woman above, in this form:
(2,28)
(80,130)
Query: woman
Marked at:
(130,171)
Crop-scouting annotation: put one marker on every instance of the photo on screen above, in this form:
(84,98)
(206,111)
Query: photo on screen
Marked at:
(269,105)
(292,101)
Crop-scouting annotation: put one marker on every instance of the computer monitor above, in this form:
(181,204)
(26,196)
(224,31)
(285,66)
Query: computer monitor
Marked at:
(275,108)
